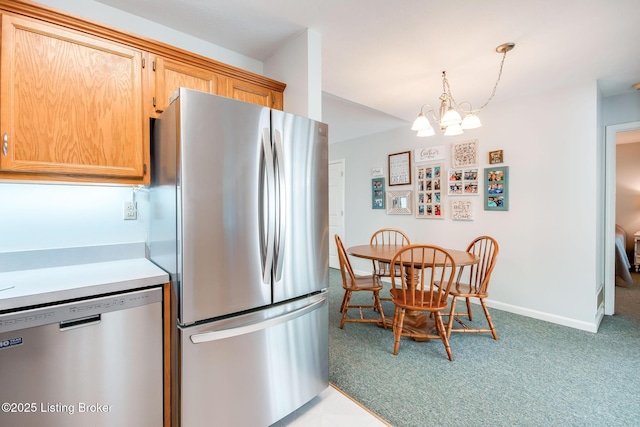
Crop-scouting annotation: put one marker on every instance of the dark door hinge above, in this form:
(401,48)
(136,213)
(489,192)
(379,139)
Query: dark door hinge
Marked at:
(143,62)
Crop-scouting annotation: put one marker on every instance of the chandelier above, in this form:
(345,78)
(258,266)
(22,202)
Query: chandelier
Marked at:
(451,113)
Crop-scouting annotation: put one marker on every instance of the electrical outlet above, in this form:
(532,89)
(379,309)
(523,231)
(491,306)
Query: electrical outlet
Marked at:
(130,210)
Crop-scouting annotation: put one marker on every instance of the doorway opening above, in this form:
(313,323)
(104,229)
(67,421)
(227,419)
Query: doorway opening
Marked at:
(621,204)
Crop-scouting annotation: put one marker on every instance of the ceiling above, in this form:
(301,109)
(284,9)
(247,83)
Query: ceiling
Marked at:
(382,60)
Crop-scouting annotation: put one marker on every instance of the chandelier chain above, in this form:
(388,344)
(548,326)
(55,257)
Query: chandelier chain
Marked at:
(447,88)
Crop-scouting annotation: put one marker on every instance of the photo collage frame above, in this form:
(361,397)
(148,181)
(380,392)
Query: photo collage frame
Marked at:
(429,190)
(463,182)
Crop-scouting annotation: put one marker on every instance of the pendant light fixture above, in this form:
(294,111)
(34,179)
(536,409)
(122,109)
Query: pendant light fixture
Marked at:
(453,119)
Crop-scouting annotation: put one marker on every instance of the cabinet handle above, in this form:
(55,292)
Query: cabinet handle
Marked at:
(5,144)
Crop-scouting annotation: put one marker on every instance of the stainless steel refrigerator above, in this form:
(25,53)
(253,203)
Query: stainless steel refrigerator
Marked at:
(239,218)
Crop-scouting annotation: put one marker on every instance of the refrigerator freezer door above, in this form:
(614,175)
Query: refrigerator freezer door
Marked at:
(301,259)
(224,206)
(255,369)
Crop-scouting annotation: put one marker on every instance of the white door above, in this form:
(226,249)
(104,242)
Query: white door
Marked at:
(336,208)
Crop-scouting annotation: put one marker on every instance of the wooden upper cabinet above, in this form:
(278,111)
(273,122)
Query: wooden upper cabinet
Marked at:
(70,105)
(249,92)
(170,75)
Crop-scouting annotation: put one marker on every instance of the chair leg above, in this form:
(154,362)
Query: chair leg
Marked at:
(451,317)
(376,298)
(488,316)
(345,308)
(344,298)
(469,312)
(443,335)
(397,329)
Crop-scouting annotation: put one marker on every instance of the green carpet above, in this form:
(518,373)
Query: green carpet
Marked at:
(536,374)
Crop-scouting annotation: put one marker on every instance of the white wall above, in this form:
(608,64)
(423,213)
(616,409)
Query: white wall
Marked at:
(43,216)
(298,63)
(547,263)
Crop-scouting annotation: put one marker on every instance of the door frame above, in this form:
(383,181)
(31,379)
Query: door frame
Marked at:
(342,202)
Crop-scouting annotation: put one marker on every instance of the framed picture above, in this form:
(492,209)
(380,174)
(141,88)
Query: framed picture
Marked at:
(464,154)
(462,182)
(495,157)
(428,154)
(462,209)
(375,172)
(377,193)
(496,197)
(429,190)
(400,168)
(399,202)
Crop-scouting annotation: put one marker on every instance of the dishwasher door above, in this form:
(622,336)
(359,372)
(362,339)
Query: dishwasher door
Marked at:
(252,370)
(94,362)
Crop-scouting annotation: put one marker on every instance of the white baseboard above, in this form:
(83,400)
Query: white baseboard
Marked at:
(535,314)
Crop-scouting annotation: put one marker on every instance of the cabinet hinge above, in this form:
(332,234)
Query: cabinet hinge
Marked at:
(154,101)
(143,62)
(273,100)
(144,169)
(153,65)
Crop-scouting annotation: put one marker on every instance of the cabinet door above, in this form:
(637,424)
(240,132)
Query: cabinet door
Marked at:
(71,104)
(249,92)
(170,75)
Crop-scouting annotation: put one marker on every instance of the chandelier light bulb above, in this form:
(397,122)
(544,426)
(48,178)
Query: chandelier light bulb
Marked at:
(453,130)
(451,117)
(470,121)
(421,123)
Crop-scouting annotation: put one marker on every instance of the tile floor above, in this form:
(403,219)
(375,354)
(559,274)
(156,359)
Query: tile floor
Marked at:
(332,408)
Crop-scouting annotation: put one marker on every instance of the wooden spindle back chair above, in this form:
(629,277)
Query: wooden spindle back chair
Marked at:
(386,236)
(472,281)
(352,283)
(415,287)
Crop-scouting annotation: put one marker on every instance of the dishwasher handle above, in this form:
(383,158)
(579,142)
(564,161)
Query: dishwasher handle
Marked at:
(67,325)
(254,327)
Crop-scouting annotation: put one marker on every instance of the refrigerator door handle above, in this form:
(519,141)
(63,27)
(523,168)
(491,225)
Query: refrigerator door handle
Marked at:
(254,327)
(281,203)
(267,211)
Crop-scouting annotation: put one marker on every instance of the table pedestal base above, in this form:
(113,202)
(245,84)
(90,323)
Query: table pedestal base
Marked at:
(417,326)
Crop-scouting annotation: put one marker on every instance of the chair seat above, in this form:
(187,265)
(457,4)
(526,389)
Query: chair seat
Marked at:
(464,290)
(366,283)
(399,299)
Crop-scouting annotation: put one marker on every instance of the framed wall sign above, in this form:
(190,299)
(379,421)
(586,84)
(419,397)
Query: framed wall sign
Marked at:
(399,202)
(429,189)
(464,154)
(400,168)
(495,157)
(462,209)
(496,182)
(377,193)
(428,154)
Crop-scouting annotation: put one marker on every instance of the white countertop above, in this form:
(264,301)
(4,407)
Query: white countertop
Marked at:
(24,288)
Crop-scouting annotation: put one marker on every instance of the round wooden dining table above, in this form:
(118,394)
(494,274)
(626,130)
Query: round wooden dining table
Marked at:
(416,324)
(385,253)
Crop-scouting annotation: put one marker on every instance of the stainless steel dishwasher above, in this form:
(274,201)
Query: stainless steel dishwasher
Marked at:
(95,362)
